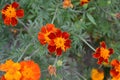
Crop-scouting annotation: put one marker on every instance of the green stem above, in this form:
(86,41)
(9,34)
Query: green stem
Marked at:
(34,53)
(22,23)
(55,14)
(85,42)
(55,61)
(23,52)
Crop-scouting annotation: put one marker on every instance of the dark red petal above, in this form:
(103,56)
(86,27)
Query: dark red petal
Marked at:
(15,4)
(67,43)
(103,44)
(97,50)
(65,35)
(7,21)
(100,60)
(14,21)
(3,16)
(59,51)
(20,13)
(113,73)
(59,33)
(106,60)
(96,55)
(52,36)
(6,7)
(51,48)
(111,51)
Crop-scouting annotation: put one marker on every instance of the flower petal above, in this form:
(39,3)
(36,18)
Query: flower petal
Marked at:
(111,51)
(43,29)
(6,7)
(59,33)
(15,5)
(52,36)
(50,27)
(67,43)
(100,60)
(65,35)
(14,21)
(114,62)
(51,48)
(7,21)
(113,73)
(20,13)
(103,44)
(59,51)
(96,55)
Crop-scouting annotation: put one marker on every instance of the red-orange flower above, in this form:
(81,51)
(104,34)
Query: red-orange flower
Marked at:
(82,2)
(52,70)
(67,3)
(59,42)
(30,70)
(102,53)
(11,12)
(45,31)
(115,71)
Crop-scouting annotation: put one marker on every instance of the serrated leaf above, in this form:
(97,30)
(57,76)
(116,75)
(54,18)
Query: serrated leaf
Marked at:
(91,18)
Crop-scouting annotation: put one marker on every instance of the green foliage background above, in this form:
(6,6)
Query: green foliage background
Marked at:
(90,23)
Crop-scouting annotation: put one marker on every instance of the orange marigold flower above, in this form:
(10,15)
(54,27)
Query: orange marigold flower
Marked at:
(97,74)
(52,70)
(102,53)
(115,71)
(30,70)
(67,3)
(82,2)
(59,42)
(11,12)
(11,69)
(45,31)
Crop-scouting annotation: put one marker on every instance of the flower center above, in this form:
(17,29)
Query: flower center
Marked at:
(59,42)
(104,53)
(9,12)
(27,73)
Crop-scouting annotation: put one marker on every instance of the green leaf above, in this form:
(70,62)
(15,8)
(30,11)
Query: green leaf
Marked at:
(91,18)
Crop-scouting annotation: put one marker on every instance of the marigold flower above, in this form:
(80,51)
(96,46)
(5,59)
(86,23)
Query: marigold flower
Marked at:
(11,69)
(45,31)
(30,70)
(82,2)
(67,3)
(102,53)
(115,71)
(97,74)
(59,42)
(52,70)
(11,12)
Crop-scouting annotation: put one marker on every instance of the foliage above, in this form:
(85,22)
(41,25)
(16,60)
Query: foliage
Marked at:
(88,25)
